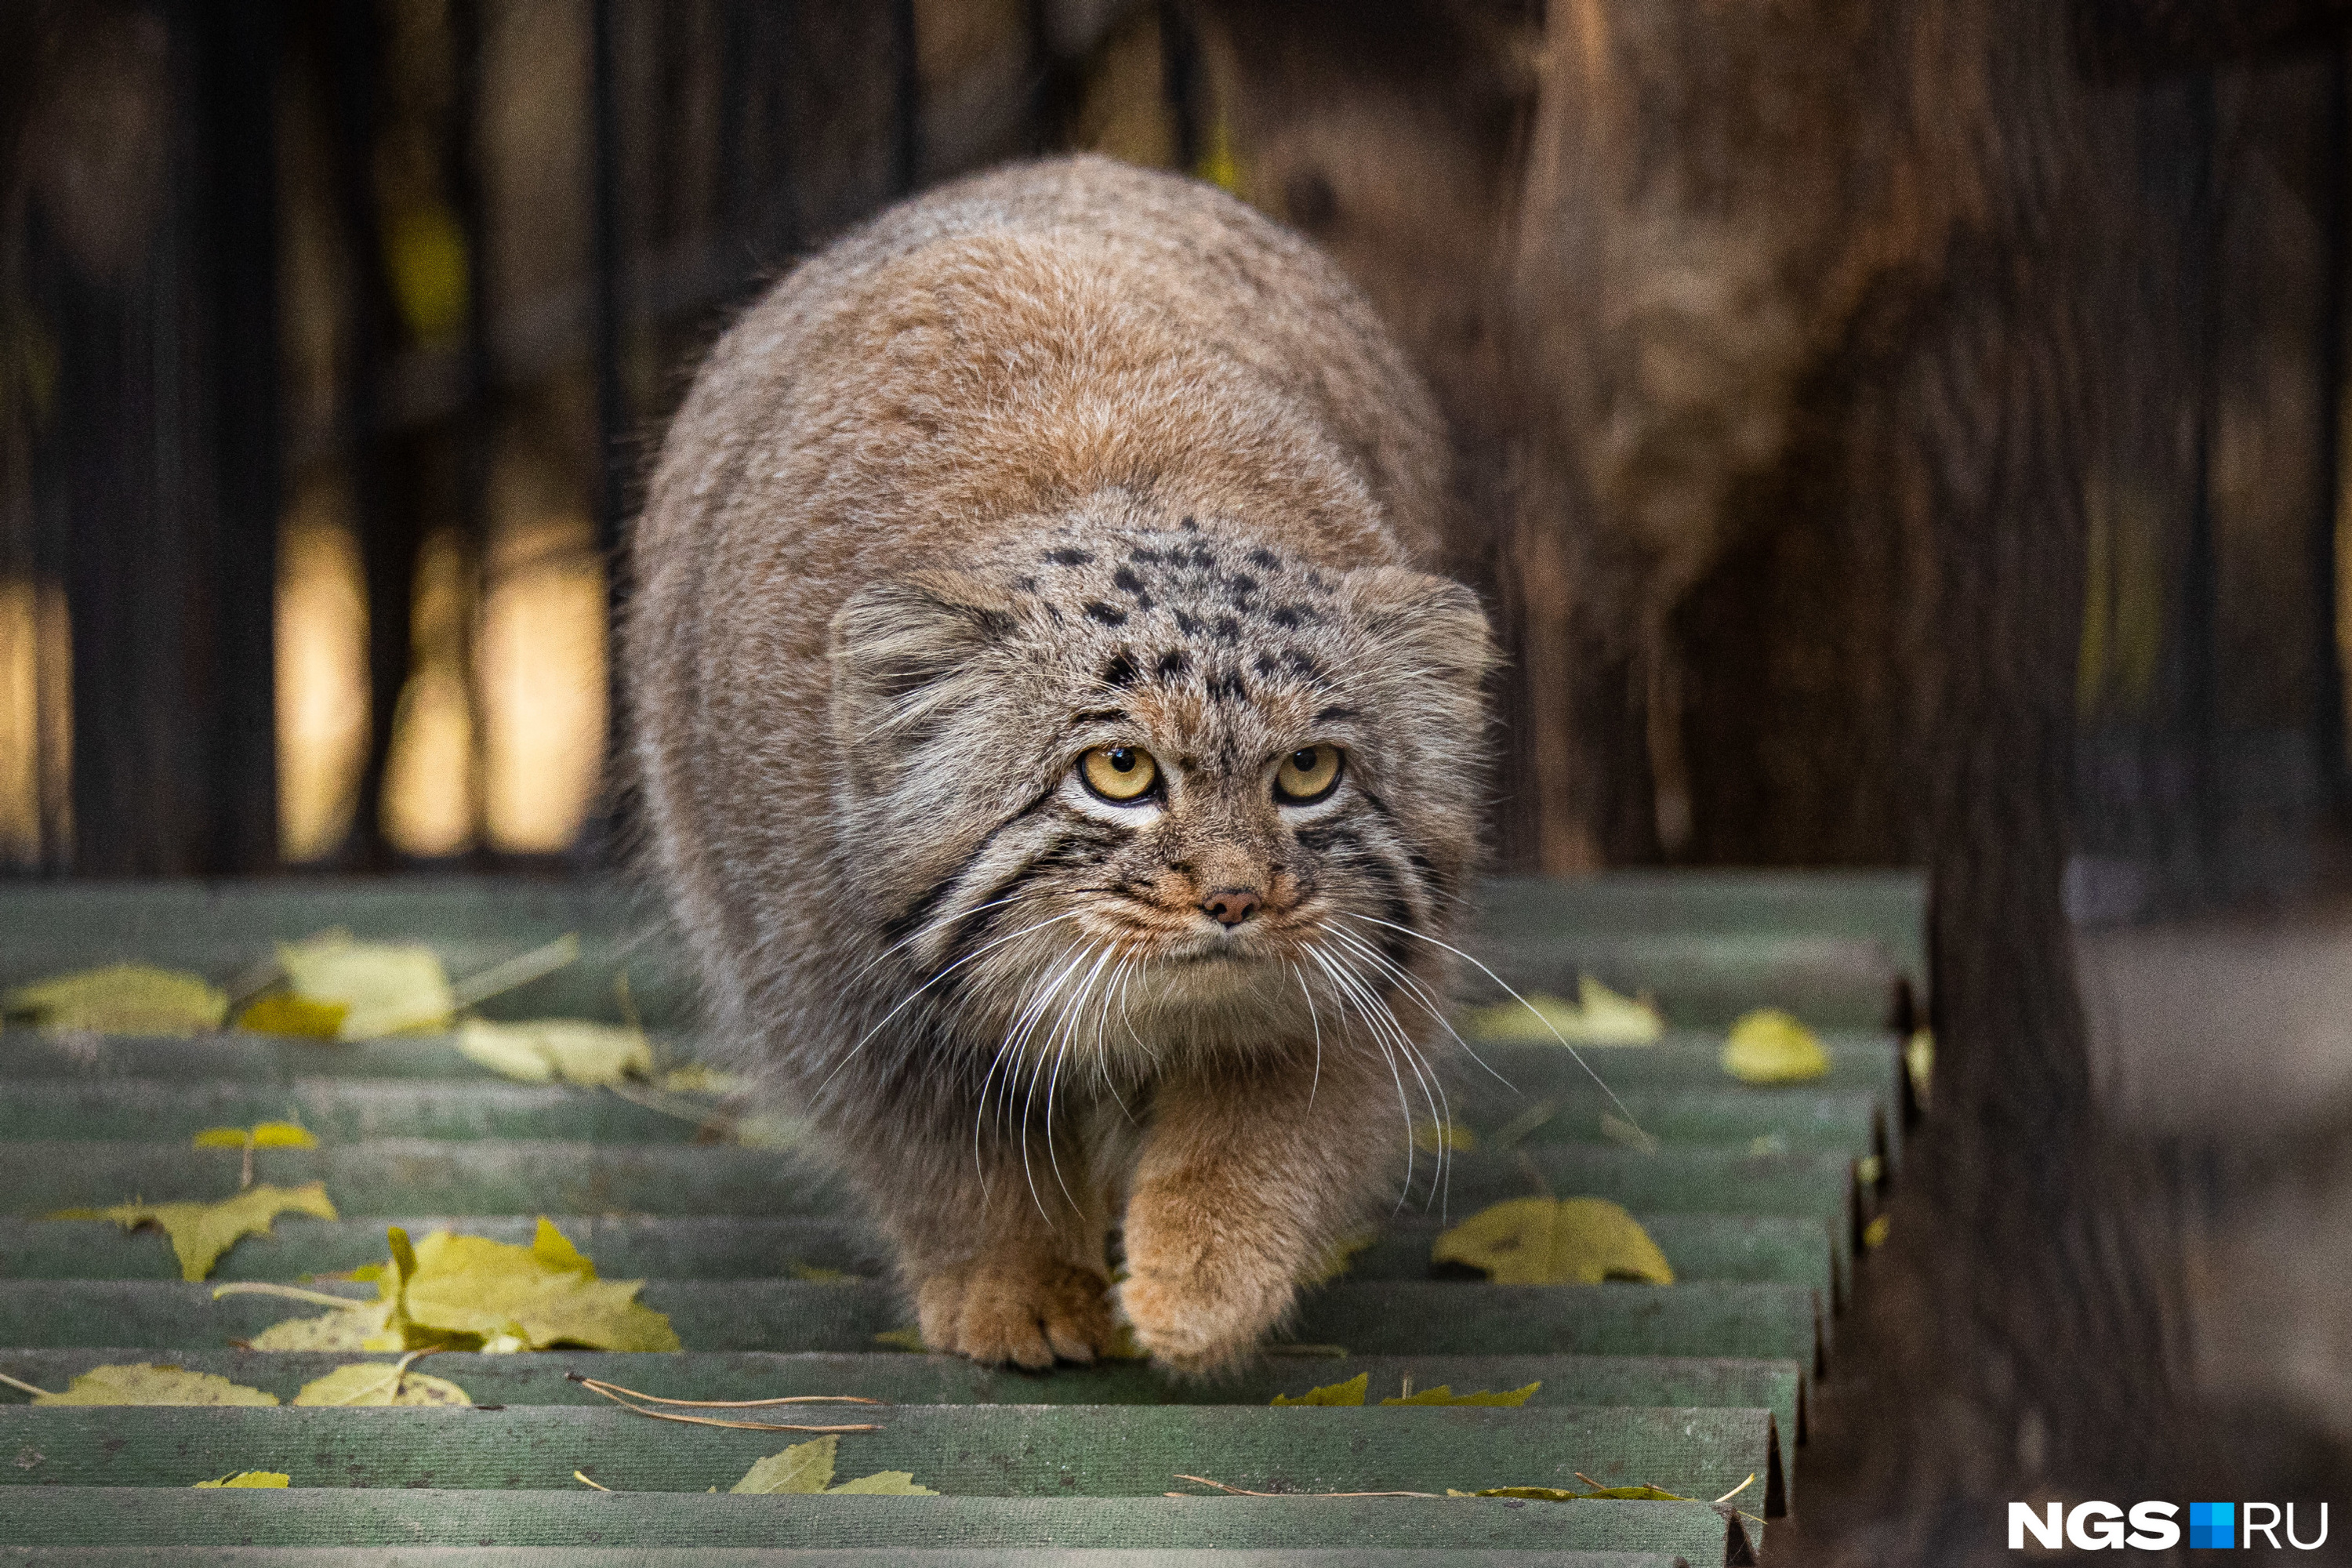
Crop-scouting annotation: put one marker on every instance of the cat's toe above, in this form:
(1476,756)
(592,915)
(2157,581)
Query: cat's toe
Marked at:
(1026,1315)
(1205,1317)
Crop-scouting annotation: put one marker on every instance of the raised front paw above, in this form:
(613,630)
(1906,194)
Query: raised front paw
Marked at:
(1201,1293)
(1025,1312)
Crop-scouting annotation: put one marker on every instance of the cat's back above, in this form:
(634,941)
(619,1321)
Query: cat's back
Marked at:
(1009,342)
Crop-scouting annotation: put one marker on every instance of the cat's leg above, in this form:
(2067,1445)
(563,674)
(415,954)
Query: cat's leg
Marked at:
(1004,1256)
(1244,1184)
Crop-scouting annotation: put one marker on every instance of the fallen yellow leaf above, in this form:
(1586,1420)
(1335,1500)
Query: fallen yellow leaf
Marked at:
(546,1048)
(265,1135)
(1434,1137)
(251,1479)
(200,1233)
(1350,1393)
(379,1382)
(1874,1233)
(281,1013)
(1339,1258)
(156,1383)
(1919,1061)
(1768,1046)
(122,999)
(806,1469)
(902,1340)
(1443,1395)
(468,1292)
(1555,1241)
(388,987)
(1599,1016)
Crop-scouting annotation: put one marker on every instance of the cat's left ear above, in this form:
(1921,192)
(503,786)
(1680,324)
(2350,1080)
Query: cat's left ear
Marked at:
(1421,625)
(906,656)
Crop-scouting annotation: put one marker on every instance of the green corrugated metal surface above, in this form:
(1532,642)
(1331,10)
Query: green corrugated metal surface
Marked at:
(1752,1194)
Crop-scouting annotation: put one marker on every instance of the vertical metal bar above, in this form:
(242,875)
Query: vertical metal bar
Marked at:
(2326,652)
(1180,71)
(611,395)
(241,107)
(739,31)
(387,532)
(906,104)
(1054,84)
(2199,588)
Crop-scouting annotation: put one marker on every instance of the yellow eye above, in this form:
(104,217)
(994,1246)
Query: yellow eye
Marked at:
(1307,774)
(1119,774)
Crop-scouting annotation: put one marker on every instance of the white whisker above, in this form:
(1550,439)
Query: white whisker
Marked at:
(908,1000)
(1423,995)
(1515,996)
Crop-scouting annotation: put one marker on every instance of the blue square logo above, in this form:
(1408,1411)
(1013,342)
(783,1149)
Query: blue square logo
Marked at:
(2212,1524)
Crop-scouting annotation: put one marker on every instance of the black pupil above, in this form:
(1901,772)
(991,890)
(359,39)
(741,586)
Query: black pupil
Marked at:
(1303,761)
(1123,759)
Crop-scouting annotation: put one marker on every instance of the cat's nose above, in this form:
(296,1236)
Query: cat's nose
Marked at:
(1230,906)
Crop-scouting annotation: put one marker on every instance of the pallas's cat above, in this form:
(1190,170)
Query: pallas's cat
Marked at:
(1054,758)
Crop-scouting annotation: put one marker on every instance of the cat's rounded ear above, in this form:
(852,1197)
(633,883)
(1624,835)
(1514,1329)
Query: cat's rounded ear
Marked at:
(1420,624)
(903,655)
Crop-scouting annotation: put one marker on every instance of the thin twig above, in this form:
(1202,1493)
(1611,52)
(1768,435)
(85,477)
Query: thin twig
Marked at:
(26,1386)
(1734,1491)
(607,1391)
(728,1404)
(294,1293)
(520,970)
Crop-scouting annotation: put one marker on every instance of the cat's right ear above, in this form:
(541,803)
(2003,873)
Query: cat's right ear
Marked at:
(905,656)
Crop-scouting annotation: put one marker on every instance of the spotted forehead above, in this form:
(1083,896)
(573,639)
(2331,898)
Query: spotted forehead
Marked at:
(1187,610)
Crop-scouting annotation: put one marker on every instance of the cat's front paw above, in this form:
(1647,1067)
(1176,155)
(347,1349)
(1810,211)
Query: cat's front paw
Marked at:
(1025,1312)
(1199,1297)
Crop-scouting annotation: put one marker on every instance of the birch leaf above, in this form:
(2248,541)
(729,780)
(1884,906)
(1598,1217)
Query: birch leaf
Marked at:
(1555,1241)
(803,1469)
(251,1479)
(280,1013)
(1768,1046)
(200,1233)
(1599,1016)
(122,999)
(1919,1061)
(1339,1258)
(466,1287)
(882,1483)
(1350,1393)
(388,987)
(547,1048)
(1443,1395)
(374,1383)
(265,1135)
(368,1328)
(157,1383)
(1436,1137)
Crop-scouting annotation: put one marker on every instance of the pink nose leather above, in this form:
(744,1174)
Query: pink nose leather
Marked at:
(1230,906)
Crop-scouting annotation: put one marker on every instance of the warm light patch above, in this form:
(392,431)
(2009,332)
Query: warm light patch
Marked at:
(35,719)
(322,684)
(541,664)
(430,778)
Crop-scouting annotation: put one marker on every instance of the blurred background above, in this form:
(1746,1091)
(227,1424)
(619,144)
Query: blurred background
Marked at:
(1807,361)
(334,337)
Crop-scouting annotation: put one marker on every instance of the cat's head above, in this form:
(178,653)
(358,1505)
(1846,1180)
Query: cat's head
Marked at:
(1146,784)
